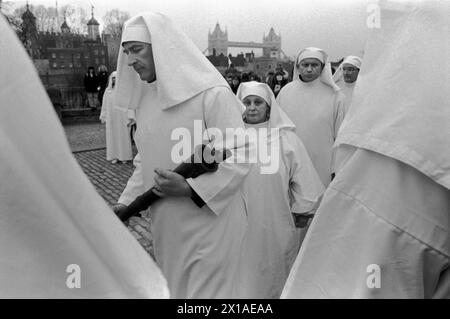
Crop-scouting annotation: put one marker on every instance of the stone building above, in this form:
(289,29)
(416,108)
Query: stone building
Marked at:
(63,57)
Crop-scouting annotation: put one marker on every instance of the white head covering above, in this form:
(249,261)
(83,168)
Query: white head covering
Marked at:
(351,59)
(136,30)
(403,91)
(51,218)
(326,76)
(182,71)
(278,119)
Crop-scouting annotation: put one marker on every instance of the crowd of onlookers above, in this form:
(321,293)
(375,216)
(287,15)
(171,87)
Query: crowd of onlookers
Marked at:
(95,85)
(275,79)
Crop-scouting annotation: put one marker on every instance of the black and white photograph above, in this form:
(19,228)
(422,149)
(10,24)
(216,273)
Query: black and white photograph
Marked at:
(239,151)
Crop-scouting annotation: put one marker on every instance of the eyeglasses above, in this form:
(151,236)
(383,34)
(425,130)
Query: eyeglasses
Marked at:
(350,70)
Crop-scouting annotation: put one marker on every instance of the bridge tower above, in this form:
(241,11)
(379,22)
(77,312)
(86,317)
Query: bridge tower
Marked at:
(274,41)
(218,41)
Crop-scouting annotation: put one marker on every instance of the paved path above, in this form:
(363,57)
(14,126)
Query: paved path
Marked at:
(87,141)
(85,136)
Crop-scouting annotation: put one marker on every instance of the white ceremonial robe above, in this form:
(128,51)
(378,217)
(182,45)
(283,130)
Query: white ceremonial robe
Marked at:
(272,241)
(379,217)
(197,249)
(347,90)
(382,230)
(58,237)
(118,140)
(317,112)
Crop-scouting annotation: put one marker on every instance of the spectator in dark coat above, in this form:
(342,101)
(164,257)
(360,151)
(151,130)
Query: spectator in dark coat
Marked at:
(277,83)
(235,82)
(102,82)
(254,77)
(245,77)
(91,86)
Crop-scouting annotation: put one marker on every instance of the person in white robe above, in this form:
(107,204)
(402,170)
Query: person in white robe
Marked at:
(118,139)
(58,237)
(315,105)
(383,227)
(199,226)
(346,76)
(280,202)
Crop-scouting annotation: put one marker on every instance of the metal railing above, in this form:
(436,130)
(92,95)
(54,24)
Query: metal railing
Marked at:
(73,98)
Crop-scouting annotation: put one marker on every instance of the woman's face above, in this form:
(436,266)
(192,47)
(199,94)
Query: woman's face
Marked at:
(256,109)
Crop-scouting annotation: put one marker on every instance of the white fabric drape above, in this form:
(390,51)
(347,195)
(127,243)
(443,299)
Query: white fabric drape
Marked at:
(53,224)
(402,96)
(118,139)
(177,61)
(382,229)
(197,248)
(272,240)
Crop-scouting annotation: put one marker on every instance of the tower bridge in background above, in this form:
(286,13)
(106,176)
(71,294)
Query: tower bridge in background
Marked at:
(218,43)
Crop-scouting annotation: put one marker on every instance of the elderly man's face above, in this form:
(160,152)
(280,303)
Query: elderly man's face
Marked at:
(140,57)
(309,69)
(350,73)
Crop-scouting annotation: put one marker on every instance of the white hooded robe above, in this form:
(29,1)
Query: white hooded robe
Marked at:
(118,139)
(58,238)
(272,241)
(317,110)
(382,229)
(197,249)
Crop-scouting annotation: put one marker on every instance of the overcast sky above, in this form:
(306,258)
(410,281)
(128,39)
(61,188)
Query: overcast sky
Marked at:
(337,26)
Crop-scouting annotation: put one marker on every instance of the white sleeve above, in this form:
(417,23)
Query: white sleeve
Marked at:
(135,185)
(339,112)
(104,106)
(222,111)
(338,117)
(305,187)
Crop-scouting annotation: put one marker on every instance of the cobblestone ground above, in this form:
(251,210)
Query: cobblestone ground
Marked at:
(87,141)
(85,136)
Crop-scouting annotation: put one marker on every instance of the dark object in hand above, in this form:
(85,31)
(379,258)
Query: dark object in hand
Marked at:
(301,220)
(202,161)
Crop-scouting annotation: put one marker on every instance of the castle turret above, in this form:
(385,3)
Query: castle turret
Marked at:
(30,33)
(29,20)
(93,27)
(64,26)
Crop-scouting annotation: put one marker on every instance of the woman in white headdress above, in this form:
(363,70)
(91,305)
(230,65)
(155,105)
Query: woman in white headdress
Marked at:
(199,225)
(383,227)
(118,139)
(280,201)
(58,238)
(315,105)
(345,77)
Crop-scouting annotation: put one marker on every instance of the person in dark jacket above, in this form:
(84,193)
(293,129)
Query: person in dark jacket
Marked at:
(91,86)
(102,82)
(235,82)
(277,82)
